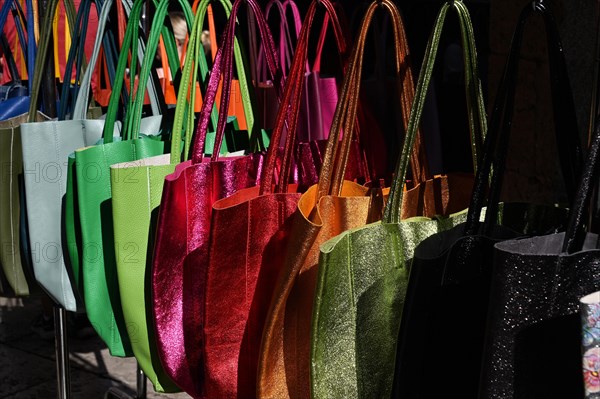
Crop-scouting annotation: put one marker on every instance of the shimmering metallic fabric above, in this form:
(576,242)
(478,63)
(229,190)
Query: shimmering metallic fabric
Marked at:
(362,281)
(470,263)
(533,329)
(447,295)
(183,228)
(324,211)
(363,273)
(533,335)
(249,235)
(181,251)
(284,363)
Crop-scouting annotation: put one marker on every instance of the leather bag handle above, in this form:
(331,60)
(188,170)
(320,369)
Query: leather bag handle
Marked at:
(224,66)
(578,215)
(82,101)
(289,109)
(186,97)
(333,171)
(566,132)
(474,95)
(42,51)
(130,44)
(153,40)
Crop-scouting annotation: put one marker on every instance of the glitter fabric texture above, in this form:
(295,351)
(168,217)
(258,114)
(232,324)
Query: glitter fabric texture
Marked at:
(361,286)
(533,336)
(324,211)
(447,296)
(533,333)
(362,274)
(181,251)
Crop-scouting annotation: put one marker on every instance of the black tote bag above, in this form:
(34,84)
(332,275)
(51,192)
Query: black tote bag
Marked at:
(446,306)
(533,334)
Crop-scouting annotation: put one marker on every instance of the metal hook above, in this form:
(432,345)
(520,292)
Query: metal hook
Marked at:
(538,5)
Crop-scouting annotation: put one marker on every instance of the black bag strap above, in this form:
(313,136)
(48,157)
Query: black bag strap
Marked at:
(576,229)
(497,142)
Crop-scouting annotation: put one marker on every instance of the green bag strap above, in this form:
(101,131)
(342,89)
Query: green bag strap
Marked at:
(132,25)
(195,58)
(44,44)
(474,95)
(158,28)
(130,42)
(194,47)
(152,89)
(174,65)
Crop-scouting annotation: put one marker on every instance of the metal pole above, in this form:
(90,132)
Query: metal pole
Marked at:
(62,353)
(116,393)
(60,314)
(141,383)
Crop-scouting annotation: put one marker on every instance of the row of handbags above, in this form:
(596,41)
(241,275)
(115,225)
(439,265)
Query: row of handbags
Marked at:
(245,271)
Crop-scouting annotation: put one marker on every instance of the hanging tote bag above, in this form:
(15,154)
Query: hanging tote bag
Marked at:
(533,332)
(183,225)
(448,289)
(72,226)
(16,274)
(325,210)
(136,189)
(248,238)
(45,181)
(106,49)
(362,274)
(92,165)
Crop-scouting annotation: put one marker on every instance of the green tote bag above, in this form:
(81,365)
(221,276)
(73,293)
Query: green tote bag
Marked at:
(363,272)
(72,226)
(136,189)
(136,194)
(101,291)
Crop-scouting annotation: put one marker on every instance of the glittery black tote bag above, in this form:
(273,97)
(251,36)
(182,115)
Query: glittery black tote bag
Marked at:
(533,338)
(446,305)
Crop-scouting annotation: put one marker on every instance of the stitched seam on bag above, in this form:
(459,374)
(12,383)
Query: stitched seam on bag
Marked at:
(248,232)
(61,265)
(113,322)
(354,311)
(187,222)
(11,204)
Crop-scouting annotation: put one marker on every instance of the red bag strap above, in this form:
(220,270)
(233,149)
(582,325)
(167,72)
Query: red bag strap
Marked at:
(290,105)
(223,65)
